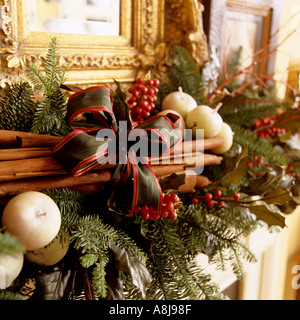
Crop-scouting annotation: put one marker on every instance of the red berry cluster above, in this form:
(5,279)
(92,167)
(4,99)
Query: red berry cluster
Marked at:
(256,161)
(167,210)
(143,97)
(216,198)
(266,127)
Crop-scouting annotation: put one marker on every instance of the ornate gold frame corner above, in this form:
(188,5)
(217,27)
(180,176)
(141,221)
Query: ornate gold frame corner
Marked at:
(148,29)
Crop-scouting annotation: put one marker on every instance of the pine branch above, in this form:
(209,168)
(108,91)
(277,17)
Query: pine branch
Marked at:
(50,113)
(172,279)
(8,295)
(246,115)
(257,146)
(10,245)
(184,73)
(17,107)
(217,233)
(71,205)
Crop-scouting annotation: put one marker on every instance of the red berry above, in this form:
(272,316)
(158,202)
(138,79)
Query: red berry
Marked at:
(174,198)
(143,104)
(218,193)
(164,213)
(210,203)
(151,91)
(152,210)
(152,105)
(166,198)
(155,216)
(220,203)
(208,196)
(250,165)
(195,200)
(145,216)
(155,83)
(146,114)
(145,210)
(137,209)
(149,83)
(143,89)
(236,196)
(140,80)
(169,206)
(172,215)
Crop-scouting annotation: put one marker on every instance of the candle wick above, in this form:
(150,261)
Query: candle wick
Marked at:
(40,212)
(181,93)
(217,108)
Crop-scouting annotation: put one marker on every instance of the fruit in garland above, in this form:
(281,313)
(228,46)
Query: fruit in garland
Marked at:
(180,102)
(143,98)
(52,253)
(227,135)
(10,268)
(182,125)
(206,118)
(33,218)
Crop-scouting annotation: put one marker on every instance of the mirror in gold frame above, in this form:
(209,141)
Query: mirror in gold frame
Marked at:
(147,29)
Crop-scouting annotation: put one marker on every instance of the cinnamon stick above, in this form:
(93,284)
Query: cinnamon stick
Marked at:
(197,145)
(24,153)
(56,182)
(202,181)
(28,175)
(190,184)
(193,181)
(9,138)
(29,165)
(188,159)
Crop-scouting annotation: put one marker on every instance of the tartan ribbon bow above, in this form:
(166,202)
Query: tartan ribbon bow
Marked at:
(89,111)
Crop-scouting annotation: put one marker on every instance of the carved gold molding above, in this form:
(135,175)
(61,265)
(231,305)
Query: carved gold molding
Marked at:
(184,26)
(148,29)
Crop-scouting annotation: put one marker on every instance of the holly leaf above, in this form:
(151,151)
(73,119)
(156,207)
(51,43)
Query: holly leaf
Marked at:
(266,214)
(277,196)
(231,103)
(129,264)
(51,282)
(239,168)
(121,110)
(269,181)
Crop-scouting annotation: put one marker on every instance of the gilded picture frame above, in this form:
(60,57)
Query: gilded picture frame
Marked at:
(147,30)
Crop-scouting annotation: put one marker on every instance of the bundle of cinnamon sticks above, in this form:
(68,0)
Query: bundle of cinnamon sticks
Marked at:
(27,163)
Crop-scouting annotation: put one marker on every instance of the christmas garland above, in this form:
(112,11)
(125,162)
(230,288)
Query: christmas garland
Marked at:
(116,243)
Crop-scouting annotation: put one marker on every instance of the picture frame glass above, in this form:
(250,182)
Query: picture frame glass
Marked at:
(90,17)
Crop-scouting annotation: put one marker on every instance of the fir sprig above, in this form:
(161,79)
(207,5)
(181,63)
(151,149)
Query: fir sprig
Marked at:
(50,113)
(257,146)
(183,72)
(10,245)
(17,107)
(92,238)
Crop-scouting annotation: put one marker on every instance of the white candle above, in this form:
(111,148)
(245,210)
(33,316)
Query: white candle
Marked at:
(180,102)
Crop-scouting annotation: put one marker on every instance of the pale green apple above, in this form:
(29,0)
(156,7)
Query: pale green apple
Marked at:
(10,268)
(33,218)
(52,253)
(227,136)
(205,118)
